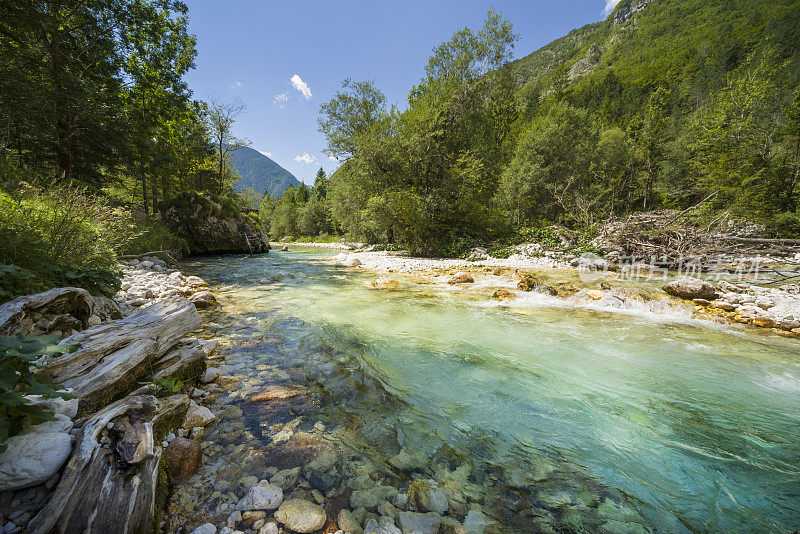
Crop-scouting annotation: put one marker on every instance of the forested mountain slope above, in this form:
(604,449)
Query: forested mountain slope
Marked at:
(260,173)
(688,45)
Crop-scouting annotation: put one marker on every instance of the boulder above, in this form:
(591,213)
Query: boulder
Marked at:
(461,278)
(195,281)
(203,300)
(301,516)
(261,498)
(528,283)
(419,523)
(32,458)
(347,260)
(183,456)
(211,225)
(205,528)
(689,288)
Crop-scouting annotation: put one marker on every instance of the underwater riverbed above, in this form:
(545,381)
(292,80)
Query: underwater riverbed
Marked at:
(544,416)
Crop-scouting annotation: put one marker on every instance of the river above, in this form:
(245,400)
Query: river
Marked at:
(549,417)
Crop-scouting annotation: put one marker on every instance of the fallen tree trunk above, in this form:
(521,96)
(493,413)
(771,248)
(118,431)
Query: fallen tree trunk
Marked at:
(109,484)
(113,358)
(64,308)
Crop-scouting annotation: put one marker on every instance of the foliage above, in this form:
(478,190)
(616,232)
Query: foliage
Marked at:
(786,224)
(18,378)
(163,387)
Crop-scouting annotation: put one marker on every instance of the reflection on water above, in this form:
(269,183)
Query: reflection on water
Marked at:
(547,417)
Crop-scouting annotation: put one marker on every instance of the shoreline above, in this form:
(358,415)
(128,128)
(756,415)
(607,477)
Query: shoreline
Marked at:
(599,283)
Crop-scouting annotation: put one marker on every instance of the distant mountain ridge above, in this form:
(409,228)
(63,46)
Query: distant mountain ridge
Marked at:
(260,173)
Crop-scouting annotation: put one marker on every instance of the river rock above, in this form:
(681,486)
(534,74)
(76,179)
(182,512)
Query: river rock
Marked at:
(203,300)
(419,523)
(301,516)
(347,522)
(183,456)
(408,460)
(461,278)
(475,522)
(205,528)
(502,294)
(261,498)
(383,526)
(689,288)
(427,496)
(269,528)
(348,260)
(32,458)
(195,281)
(384,282)
(198,416)
(285,479)
(210,375)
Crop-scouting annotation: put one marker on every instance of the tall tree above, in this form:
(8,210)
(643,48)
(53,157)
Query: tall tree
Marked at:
(221,117)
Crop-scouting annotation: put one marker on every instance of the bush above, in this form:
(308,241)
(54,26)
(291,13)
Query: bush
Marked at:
(57,238)
(786,224)
(18,378)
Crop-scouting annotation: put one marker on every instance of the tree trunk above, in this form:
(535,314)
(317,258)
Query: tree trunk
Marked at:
(113,489)
(114,357)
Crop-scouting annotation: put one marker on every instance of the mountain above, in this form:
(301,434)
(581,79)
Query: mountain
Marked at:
(689,46)
(261,173)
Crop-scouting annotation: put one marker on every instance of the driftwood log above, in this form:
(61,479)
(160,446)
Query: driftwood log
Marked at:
(113,358)
(111,482)
(67,308)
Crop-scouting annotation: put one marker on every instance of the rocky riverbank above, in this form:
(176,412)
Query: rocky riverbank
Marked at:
(591,279)
(139,384)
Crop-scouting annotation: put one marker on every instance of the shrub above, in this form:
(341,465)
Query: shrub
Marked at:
(18,378)
(786,224)
(59,237)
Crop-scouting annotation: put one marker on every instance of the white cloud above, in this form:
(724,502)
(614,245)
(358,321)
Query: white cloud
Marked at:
(236,85)
(268,154)
(610,5)
(280,100)
(333,158)
(300,85)
(306,159)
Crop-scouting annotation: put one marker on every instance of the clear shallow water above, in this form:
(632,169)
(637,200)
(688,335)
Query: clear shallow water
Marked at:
(641,418)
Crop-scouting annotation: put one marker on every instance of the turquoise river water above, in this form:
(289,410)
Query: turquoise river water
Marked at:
(567,418)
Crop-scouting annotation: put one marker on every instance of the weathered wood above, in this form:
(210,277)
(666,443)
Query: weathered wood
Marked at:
(19,317)
(114,357)
(112,488)
(187,361)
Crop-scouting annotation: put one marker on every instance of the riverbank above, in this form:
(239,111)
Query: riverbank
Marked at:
(138,382)
(594,280)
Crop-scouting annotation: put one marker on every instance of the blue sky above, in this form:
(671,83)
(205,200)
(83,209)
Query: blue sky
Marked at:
(284,59)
